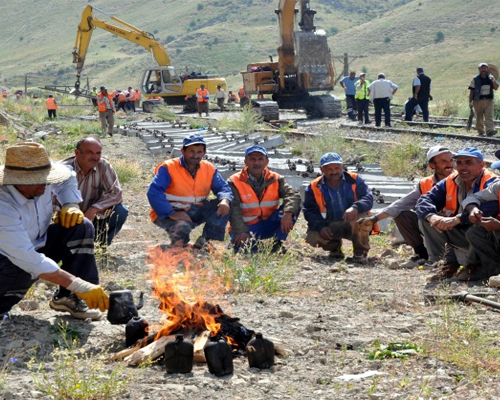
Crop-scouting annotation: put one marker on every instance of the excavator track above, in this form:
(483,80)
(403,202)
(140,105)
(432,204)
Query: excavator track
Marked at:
(268,110)
(324,106)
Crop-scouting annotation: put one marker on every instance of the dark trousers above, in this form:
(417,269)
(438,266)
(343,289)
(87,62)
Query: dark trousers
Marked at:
(52,114)
(107,228)
(122,106)
(487,247)
(410,107)
(215,226)
(362,107)
(385,105)
(131,105)
(407,223)
(73,247)
(351,105)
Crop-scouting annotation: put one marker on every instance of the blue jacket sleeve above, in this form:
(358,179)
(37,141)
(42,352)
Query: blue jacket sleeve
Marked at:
(433,201)
(156,193)
(312,214)
(364,196)
(220,187)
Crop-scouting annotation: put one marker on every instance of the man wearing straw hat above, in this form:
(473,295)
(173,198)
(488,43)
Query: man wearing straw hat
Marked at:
(31,246)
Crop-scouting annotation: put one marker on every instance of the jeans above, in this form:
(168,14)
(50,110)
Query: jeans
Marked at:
(351,105)
(362,106)
(107,228)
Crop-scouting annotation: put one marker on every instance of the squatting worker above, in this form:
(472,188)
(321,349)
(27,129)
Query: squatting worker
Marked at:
(106,108)
(179,192)
(31,246)
(481,93)
(332,205)
(100,189)
(256,212)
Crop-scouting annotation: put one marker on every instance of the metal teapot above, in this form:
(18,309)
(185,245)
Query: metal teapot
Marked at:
(122,307)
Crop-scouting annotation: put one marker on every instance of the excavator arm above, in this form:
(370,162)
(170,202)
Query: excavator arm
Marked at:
(127,31)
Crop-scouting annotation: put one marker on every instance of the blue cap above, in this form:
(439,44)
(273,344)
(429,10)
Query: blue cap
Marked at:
(256,149)
(469,152)
(496,164)
(192,140)
(330,158)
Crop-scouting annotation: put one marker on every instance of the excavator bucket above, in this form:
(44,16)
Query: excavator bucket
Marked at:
(312,56)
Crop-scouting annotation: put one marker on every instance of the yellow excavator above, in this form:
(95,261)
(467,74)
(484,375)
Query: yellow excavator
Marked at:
(304,65)
(161,81)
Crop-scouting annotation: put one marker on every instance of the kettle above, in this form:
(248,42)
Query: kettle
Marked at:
(122,307)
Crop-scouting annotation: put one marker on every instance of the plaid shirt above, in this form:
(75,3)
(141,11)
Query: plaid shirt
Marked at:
(100,188)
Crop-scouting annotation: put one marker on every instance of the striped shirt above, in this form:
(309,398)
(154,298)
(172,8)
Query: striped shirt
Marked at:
(100,188)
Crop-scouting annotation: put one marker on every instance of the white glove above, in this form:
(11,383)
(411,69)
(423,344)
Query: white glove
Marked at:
(492,78)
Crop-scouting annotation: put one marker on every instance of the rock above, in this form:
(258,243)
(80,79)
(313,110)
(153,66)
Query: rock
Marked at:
(28,305)
(388,253)
(494,281)
(392,263)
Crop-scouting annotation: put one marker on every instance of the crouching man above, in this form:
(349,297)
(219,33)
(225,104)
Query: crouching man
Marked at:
(333,203)
(256,212)
(31,246)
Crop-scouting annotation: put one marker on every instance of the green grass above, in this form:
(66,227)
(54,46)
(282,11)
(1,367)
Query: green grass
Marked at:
(246,122)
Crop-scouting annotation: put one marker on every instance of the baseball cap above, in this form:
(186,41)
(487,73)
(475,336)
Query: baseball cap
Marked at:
(482,65)
(469,152)
(330,158)
(436,150)
(192,140)
(496,164)
(103,88)
(256,149)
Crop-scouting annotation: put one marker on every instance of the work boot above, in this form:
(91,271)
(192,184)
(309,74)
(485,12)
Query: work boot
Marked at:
(473,272)
(445,272)
(336,255)
(491,133)
(358,258)
(278,247)
(75,306)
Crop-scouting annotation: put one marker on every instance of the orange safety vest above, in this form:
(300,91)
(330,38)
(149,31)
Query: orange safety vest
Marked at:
(4,94)
(426,184)
(184,190)
(451,205)
(138,95)
(241,93)
(51,103)
(104,104)
(320,198)
(122,97)
(131,95)
(202,95)
(254,209)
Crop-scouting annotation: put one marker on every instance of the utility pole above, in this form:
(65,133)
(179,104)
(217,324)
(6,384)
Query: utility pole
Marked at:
(345,62)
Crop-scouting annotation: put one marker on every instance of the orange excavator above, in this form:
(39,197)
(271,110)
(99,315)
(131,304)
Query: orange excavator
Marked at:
(304,66)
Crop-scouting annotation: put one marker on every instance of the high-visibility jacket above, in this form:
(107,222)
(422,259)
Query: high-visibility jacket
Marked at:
(320,198)
(4,94)
(104,103)
(121,97)
(202,95)
(131,95)
(451,205)
(362,90)
(254,209)
(426,184)
(51,103)
(184,190)
(241,93)
(138,95)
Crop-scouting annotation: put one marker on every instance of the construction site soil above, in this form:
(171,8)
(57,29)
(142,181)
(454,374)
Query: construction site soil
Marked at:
(327,318)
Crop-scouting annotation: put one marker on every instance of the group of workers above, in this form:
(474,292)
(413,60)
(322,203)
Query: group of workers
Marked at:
(360,92)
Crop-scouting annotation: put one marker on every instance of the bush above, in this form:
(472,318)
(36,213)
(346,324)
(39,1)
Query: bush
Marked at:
(404,159)
(439,37)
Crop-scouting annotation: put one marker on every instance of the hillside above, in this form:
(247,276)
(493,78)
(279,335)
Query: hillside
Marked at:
(217,36)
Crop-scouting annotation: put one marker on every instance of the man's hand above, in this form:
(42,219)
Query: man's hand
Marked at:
(490,224)
(443,223)
(368,220)
(471,104)
(326,233)
(240,239)
(70,215)
(286,222)
(475,215)
(180,216)
(91,213)
(93,295)
(223,208)
(351,214)
(491,78)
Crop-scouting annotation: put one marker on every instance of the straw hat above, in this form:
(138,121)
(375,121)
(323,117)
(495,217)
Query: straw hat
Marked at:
(29,164)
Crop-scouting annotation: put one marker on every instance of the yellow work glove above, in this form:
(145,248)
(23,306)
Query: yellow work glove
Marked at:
(93,295)
(70,215)
(367,221)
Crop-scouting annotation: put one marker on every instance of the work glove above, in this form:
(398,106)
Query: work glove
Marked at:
(367,221)
(491,77)
(93,295)
(70,215)
(471,104)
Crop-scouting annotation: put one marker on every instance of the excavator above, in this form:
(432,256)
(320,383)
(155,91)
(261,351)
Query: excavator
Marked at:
(304,65)
(162,81)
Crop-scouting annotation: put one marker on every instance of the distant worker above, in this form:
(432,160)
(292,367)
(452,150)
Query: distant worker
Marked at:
(4,93)
(381,92)
(138,96)
(232,98)
(220,96)
(121,101)
(19,95)
(100,189)
(481,93)
(106,109)
(244,97)
(333,204)
(179,195)
(421,87)
(362,98)
(94,93)
(348,83)
(256,212)
(202,97)
(51,107)
(131,99)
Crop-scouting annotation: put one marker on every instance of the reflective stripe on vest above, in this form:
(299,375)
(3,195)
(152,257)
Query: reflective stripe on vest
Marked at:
(451,205)
(254,209)
(361,90)
(184,190)
(201,95)
(104,103)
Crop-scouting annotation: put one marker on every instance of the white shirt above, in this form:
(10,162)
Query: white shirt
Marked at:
(24,224)
(381,89)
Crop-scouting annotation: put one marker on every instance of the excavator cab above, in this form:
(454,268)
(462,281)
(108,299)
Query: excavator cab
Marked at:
(161,80)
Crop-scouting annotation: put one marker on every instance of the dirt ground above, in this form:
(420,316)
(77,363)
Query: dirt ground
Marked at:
(327,316)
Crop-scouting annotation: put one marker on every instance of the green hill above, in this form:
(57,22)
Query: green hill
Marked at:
(447,37)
